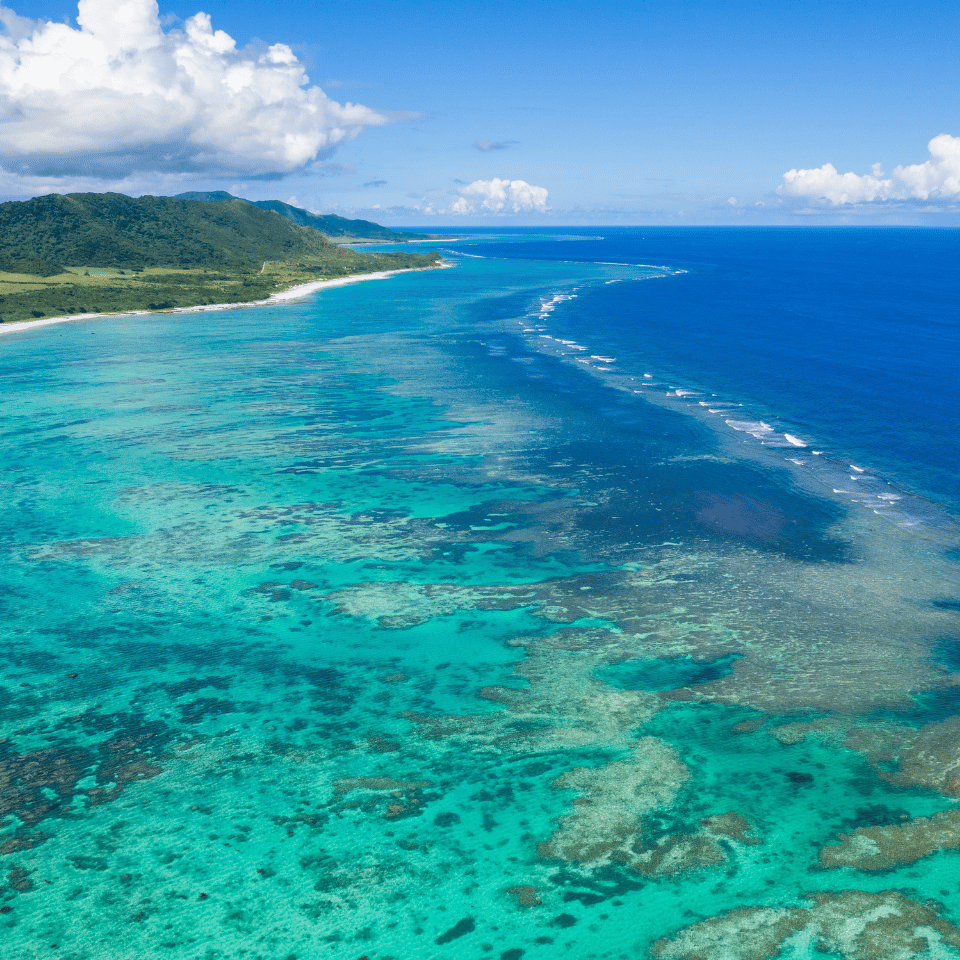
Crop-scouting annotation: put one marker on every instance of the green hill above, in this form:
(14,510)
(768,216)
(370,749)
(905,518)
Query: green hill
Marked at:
(107,252)
(330,225)
(113,230)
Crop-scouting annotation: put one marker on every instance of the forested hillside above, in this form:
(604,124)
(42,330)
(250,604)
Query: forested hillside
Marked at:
(340,229)
(99,252)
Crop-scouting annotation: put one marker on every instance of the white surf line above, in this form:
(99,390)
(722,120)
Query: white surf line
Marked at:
(883,504)
(293,293)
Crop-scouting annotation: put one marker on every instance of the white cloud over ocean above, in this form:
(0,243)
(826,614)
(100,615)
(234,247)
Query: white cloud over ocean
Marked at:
(936,179)
(498,196)
(120,94)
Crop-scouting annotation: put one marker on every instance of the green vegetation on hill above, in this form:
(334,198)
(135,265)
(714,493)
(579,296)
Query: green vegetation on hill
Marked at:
(31,266)
(338,228)
(95,253)
(113,230)
(330,225)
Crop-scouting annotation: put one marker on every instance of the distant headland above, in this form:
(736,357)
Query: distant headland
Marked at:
(338,229)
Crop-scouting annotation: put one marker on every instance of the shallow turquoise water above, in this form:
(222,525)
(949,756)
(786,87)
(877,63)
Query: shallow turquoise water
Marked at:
(377,625)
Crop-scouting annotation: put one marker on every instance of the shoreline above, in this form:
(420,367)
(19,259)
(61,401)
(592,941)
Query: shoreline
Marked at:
(291,293)
(364,243)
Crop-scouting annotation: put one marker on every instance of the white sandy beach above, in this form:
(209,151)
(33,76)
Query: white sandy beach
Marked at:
(293,293)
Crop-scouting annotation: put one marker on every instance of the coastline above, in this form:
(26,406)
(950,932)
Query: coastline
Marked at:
(365,243)
(291,293)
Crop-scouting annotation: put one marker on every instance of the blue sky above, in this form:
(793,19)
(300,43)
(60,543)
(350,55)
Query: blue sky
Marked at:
(482,112)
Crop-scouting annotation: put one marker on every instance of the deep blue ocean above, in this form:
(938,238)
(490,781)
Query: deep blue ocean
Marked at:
(850,334)
(596,596)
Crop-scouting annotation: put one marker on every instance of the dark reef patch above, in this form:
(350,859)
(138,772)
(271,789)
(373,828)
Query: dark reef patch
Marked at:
(41,785)
(874,815)
(459,929)
(198,710)
(666,674)
(194,684)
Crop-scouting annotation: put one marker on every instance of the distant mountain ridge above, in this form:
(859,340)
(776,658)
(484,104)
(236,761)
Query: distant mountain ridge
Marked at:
(339,229)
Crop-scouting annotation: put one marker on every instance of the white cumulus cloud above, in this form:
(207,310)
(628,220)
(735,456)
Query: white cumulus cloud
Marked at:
(936,179)
(497,196)
(120,94)
(15,26)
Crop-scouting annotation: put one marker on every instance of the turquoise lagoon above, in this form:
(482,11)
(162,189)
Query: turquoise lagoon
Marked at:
(456,615)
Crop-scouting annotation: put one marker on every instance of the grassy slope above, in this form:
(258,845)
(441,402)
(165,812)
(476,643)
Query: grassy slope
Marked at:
(159,252)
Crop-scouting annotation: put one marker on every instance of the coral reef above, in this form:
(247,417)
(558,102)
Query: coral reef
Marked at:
(852,924)
(885,847)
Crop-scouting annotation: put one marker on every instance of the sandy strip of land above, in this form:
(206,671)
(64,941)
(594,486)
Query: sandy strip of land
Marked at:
(293,293)
(305,289)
